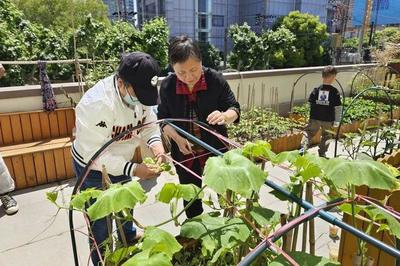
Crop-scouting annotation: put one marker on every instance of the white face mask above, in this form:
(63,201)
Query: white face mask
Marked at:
(129,99)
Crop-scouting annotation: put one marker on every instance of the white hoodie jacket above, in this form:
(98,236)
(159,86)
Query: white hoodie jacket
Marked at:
(101,115)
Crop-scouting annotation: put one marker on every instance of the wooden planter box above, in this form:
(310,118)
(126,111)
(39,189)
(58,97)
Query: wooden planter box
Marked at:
(347,128)
(392,159)
(287,142)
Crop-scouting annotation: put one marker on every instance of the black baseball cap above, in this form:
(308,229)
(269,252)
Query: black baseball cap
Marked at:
(141,71)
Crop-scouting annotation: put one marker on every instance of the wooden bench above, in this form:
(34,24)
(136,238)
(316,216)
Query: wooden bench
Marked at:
(25,127)
(36,146)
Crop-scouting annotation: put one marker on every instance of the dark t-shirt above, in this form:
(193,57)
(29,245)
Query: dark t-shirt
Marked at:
(323,101)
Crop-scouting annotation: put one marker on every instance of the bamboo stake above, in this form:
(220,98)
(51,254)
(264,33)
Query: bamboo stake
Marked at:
(286,238)
(296,230)
(304,240)
(309,198)
(305,92)
(262,94)
(238,92)
(253,94)
(106,184)
(248,98)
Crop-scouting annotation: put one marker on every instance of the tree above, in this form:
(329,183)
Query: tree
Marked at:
(62,14)
(280,48)
(310,34)
(211,56)
(387,35)
(21,39)
(247,48)
(154,36)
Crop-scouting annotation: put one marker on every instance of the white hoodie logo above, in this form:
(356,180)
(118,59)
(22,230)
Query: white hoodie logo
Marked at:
(154,81)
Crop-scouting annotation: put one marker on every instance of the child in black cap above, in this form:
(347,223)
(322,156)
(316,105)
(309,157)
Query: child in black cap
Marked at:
(115,104)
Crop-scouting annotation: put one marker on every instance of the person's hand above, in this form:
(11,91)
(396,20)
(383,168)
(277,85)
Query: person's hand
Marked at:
(183,144)
(216,118)
(2,71)
(161,158)
(144,172)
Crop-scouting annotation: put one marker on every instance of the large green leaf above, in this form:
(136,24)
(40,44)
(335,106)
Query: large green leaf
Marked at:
(286,156)
(293,188)
(265,217)
(235,172)
(117,198)
(360,172)
(215,232)
(303,259)
(158,247)
(177,191)
(259,149)
(380,216)
(308,166)
(158,240)
(78,201)
(118,255)
(146,258)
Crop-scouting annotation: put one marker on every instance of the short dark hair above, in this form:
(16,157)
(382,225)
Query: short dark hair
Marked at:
(329,71)
(181,48)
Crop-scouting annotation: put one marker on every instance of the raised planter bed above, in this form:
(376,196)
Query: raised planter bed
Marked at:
(392,159)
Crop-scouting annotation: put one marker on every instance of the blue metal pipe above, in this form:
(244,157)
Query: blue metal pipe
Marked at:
(303,203)
(193,138)
(333,220)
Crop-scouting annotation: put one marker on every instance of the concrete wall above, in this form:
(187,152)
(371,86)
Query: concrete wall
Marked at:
(29,98)
(273,88)
(267,88)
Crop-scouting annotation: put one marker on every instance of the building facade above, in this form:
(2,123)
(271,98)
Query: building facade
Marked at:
(121,9)
(384,12)
(207,20)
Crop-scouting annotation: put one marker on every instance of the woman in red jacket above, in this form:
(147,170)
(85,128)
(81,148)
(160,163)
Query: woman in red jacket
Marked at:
(197,93)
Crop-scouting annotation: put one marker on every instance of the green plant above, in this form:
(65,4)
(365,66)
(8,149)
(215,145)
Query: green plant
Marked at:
(310,33)
(247,48)
(373,141)
(261,124)
(359,110)
(210,55)
(62,15)
(238,222)
(90,37)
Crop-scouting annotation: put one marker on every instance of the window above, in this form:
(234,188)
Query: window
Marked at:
(218,20)
(203,36)
(202,6)
(202,21)
(150,9)
(161,7)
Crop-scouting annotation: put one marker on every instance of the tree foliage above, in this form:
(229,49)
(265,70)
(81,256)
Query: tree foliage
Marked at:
(387,35)
(62,14)
(211,56)
(295,40)
(247,48)
(310,33)
(280,47)
(93,37)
